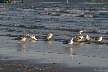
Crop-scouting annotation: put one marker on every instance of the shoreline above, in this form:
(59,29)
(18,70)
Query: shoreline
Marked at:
(72,3)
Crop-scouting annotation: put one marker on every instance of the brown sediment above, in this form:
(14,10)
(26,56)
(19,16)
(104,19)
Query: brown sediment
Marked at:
(29,66)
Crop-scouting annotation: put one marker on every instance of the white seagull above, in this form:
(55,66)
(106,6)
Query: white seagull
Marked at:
(70,42)
(32,37)
(80,32)
(87,37)
(22,39)
(78,38)
(99,39)
(49,36)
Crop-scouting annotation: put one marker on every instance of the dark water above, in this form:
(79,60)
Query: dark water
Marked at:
(64,21)
(60,19)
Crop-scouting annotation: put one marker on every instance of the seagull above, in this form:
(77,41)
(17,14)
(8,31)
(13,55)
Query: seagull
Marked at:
(49,36)
(87,37)
(80,32)
(99,39)
(70,42)
(31,36)
(78,38)
(22,39)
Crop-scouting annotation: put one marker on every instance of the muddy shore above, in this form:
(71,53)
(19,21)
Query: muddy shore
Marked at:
(29,66)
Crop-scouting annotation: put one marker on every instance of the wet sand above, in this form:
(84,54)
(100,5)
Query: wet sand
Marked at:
(29,66)
(52,56)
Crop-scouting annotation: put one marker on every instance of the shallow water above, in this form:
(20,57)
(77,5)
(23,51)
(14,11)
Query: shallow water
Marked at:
(64,21)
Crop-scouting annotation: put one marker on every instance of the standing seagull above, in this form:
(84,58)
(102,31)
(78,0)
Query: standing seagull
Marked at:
(78,38)
(49,36)
(22,39)
(80,32)
(70,42)
(98,39)
(31,36)
(87,38)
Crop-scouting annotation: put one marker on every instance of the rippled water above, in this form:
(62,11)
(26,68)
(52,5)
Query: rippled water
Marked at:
(63,20)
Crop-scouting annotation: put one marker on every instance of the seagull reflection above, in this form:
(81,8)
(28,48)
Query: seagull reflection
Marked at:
(23,47)
(78,44)
(49,42)
(71,52)
(87,45)
(23,50)
(33,41)
(100,45)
